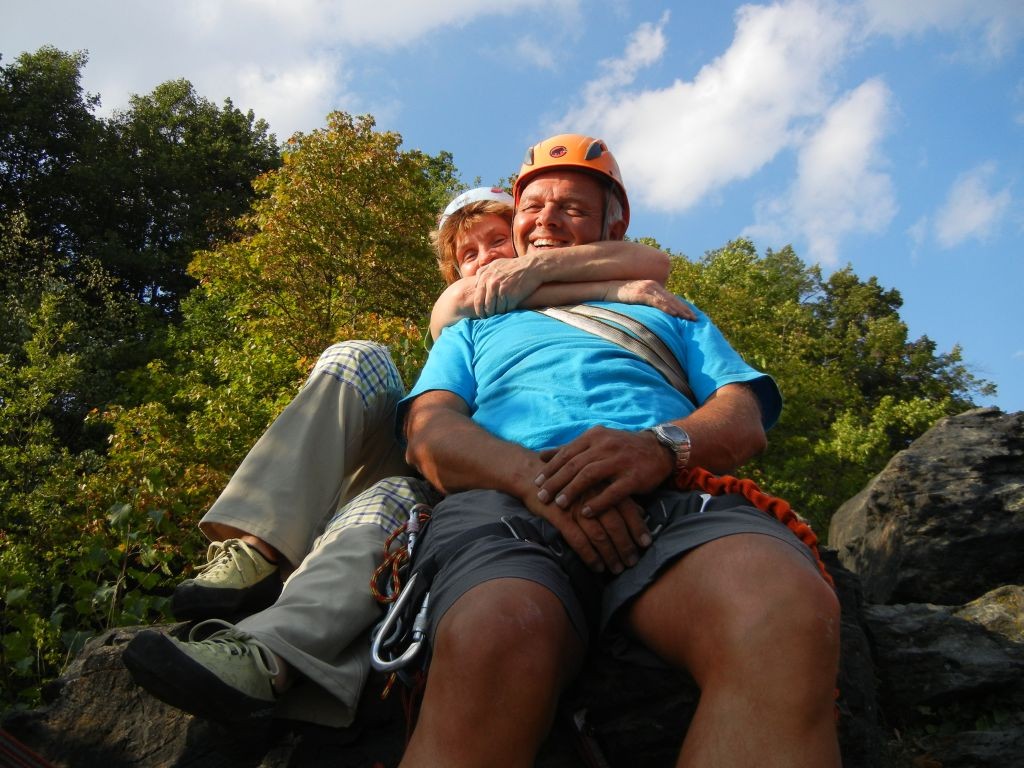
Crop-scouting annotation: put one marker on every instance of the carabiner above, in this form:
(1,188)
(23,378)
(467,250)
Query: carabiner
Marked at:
(387,626)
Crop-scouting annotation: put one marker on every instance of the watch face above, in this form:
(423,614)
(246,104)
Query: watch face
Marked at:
(674,433)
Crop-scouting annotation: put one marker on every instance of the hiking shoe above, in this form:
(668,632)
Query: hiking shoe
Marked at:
(226,677)
(236,581)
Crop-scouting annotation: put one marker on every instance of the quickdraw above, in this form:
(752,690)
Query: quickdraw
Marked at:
(386,584)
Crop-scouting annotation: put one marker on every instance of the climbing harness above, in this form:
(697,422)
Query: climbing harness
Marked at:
(405,624)
(401,635)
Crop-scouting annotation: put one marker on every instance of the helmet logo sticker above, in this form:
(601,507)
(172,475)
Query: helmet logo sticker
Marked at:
(559,151)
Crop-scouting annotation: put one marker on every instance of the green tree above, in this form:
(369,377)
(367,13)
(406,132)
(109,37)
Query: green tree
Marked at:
(98,220)
(177,174)
(338,239)
(56,343)
(47,131)
(139,191)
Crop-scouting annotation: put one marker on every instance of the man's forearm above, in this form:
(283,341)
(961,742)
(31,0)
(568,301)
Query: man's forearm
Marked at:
(455,454)
(451,306)
(561,276)
(604,260)
(726,431)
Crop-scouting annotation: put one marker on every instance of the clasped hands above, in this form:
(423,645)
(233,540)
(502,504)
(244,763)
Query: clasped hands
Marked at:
(586,489)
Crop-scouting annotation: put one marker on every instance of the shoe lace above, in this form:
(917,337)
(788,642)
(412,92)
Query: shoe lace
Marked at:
(227,554)
(237,643)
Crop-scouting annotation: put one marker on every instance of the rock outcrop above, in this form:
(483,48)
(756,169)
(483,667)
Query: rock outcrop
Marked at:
(929,564)
(944,522)
(937,539)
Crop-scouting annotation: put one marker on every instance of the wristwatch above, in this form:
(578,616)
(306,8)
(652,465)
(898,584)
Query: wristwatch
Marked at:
(676,439)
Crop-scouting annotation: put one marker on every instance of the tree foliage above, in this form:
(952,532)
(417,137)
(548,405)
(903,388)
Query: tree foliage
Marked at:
(180,173)
(138,192)
(339,234)
(335,247)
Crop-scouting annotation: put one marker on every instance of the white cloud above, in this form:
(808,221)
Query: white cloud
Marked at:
(736,115)
(646,46)
(539,55)
(972,210)
(292,96)
(918,232)
(386,23)
(839,189)
(1001,21)
(245,49)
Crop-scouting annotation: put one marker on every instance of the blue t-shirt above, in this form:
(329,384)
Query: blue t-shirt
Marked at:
(537,381)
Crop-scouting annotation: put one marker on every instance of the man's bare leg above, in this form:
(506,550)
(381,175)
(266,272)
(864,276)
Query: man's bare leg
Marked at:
(758,628)
(503,653)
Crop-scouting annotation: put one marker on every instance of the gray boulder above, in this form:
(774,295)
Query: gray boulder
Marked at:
(944,521)
(954,676)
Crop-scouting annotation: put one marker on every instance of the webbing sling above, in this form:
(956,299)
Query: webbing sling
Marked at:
(645,344)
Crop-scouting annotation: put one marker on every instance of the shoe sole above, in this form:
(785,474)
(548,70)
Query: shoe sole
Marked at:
(170,675)
(190,602)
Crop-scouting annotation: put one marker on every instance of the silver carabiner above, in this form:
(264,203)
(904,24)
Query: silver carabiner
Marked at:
(419,631)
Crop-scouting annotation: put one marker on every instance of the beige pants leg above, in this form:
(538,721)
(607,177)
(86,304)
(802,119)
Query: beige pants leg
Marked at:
(320,624)
(333,440)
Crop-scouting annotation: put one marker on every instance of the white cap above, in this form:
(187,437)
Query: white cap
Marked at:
(476,195)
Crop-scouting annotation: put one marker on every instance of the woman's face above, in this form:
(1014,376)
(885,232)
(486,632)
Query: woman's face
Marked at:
(487,240)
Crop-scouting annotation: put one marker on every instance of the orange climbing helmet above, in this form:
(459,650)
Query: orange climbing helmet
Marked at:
(573,150)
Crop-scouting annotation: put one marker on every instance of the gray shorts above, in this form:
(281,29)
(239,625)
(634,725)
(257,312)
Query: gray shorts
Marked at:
(679,521)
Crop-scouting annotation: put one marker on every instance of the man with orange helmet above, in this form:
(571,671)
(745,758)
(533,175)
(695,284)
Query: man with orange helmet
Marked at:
(562,437)
(338,435)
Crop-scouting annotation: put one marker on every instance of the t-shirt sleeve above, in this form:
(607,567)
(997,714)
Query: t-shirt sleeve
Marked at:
(448,367)
(711,363)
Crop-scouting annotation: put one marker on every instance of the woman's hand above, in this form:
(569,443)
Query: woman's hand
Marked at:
(502,285)
(650,293)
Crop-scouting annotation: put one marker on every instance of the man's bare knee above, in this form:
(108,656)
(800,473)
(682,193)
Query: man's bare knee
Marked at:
(507,625)
(722,605)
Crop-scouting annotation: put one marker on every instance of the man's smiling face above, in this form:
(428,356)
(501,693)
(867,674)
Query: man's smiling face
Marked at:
(559,208)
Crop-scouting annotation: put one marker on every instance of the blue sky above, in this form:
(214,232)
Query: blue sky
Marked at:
(886,134)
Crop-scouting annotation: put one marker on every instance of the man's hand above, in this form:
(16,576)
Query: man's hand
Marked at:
(612,542)
(601,468)
(502,285)
(650,293)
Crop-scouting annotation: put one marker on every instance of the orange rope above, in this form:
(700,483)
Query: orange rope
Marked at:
(393,562)
(697,478)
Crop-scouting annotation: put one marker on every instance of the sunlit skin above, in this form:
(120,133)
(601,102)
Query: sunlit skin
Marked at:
(495,279)
(561,208)
(486,241)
